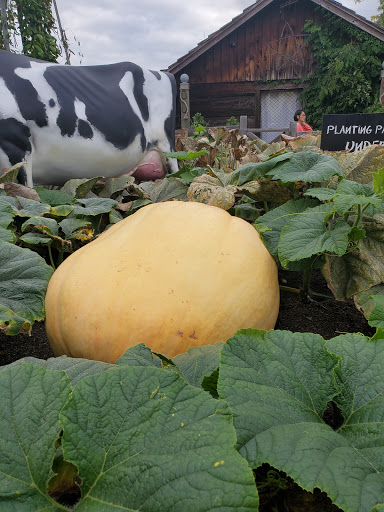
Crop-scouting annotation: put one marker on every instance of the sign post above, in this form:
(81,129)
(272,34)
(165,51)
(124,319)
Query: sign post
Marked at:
(184,102)
(351,132)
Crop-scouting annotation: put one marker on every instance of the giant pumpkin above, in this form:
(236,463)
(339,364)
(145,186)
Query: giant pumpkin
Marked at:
(173,275)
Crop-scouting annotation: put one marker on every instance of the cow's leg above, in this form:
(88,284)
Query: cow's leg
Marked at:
(171,165)
(28,170)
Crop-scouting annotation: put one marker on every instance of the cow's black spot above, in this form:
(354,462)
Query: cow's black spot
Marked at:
(143,141)
(156,73)
(52,102)
(30,106)
(85,129)
(106,106)
(15,142)
(14,139)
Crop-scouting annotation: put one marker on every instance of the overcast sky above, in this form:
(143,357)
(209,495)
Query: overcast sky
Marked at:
(152,33)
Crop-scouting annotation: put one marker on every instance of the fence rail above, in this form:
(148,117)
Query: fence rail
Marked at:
(251,132)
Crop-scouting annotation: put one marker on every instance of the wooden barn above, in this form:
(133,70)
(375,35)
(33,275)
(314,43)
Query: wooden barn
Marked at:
(256,64)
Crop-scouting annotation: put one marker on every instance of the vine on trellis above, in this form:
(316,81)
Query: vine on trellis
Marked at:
(33,21)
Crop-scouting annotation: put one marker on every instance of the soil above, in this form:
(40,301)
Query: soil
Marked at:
(327,317)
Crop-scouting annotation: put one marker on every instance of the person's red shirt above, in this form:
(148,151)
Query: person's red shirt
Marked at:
(305,128)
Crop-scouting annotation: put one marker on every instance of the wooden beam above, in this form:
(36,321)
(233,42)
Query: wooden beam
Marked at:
(257,107)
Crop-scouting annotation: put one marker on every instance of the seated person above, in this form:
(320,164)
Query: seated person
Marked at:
(302,126)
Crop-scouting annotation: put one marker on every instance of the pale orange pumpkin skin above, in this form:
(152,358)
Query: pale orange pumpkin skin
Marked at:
(173,275)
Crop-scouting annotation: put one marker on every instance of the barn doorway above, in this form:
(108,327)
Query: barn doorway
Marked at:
(277,110)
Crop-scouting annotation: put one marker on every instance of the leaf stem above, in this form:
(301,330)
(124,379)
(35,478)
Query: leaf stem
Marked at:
(60,258)
(358,216)
(307,276)
(289,289)
(51,257)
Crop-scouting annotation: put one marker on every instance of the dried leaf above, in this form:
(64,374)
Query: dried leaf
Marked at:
(359,165)
(362,268)
(15,189)
(209,190)
(265,190)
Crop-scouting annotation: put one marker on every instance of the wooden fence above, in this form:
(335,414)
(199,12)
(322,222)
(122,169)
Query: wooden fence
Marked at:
(254,133)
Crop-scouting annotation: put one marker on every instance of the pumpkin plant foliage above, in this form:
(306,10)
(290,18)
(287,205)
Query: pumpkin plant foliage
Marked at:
(141,438)
(278,385)
(24,277)
(133,429)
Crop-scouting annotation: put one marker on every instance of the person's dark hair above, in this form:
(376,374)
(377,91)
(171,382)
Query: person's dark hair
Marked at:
(297,114)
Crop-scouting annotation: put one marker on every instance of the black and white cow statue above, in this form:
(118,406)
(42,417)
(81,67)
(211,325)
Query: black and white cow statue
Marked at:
(84,121)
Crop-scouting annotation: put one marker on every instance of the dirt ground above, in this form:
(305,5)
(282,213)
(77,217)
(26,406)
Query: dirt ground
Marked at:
(327,318)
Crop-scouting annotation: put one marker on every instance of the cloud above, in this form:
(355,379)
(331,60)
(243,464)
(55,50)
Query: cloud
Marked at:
(151,33)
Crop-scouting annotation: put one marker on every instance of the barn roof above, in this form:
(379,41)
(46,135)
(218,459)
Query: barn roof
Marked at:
(331,5)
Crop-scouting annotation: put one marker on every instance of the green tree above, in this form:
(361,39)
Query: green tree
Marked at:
(347,75)
(379,18)
(33,21)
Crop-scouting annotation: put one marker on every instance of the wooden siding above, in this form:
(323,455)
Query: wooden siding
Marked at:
(269,46)
(262,48)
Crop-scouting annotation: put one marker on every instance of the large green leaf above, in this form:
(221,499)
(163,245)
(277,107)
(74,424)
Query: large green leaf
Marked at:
(24,277)
(350,193)
(308,166)
(6,201)
(364,300)
(31,208)
(143,439)
(69,226)
(322,193)
(278,385)
(94,206)
(276,219)
(42,224)
(36,239)
(376,317)
(198,363)
(253,171)
(308,234)
(54,197)
(75,368)
(114,186)
(139,355)
(31,399)
(7,235)
(80,187)
(7,214)
(61,210)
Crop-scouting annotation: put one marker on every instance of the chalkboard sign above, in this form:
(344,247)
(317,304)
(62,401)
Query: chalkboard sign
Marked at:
(351,132)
